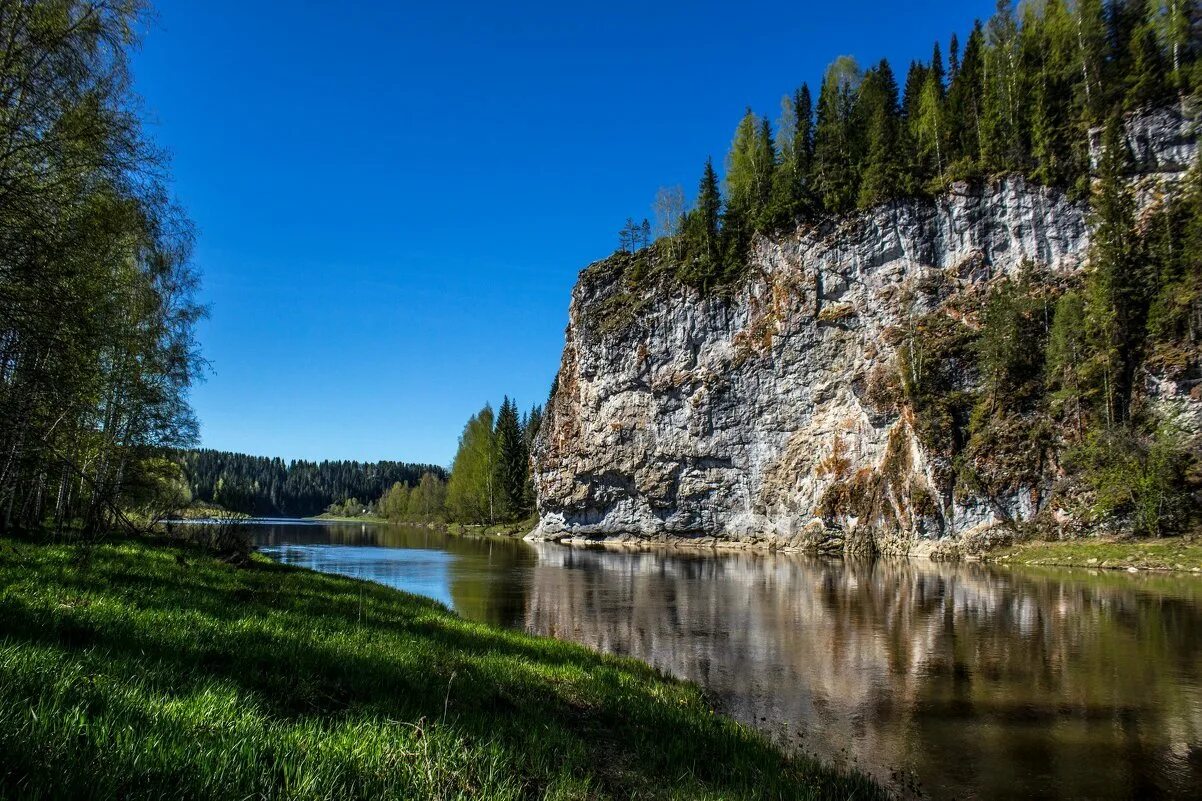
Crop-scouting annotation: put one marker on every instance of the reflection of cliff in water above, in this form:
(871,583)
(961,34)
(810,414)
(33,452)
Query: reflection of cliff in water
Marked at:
(1063,684)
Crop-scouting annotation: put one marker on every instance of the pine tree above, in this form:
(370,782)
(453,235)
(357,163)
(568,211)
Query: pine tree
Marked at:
(512,463)
(963,117)
(703,258)
(1115,304)
(1148,83)
(835,180)
(883,177)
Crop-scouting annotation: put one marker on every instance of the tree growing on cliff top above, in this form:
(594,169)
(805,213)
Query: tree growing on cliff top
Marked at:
(836,160)
(883,178)
(703,252)
(791,194)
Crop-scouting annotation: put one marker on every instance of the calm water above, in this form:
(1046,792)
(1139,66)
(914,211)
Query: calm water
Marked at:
(972,681)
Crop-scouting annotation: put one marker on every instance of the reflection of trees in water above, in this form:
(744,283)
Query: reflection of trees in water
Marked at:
(490,580)
(969,676)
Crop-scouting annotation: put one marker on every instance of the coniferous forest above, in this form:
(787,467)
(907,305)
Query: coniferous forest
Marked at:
(1020,94)
(259,485)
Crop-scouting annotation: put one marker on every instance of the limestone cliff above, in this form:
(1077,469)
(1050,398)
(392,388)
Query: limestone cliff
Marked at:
(744,416)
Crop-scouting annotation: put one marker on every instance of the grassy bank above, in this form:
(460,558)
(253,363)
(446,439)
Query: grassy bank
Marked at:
(519,528)
(145,671)
(1170,553)
(328,518)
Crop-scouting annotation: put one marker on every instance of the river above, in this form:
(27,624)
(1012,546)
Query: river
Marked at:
(949,681)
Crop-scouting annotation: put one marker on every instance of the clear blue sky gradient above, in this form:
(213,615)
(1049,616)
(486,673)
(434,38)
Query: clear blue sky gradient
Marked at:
(393,203)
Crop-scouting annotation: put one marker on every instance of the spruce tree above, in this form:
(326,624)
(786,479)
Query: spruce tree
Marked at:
(1002,120)
(835,177)
(1115,301)
(703,258)
(1148,82)
(790,180)
(1089,61)
(883,178)
(512,464)
(1048,51)
(963,117)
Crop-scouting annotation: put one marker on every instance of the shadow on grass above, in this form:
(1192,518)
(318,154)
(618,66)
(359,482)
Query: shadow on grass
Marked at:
(299,645)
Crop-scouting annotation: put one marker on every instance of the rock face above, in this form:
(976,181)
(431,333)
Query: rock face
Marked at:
(732,419)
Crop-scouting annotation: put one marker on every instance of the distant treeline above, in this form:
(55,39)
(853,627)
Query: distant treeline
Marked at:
(261,485)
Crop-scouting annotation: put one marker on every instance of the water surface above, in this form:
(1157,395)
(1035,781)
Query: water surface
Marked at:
(965,681)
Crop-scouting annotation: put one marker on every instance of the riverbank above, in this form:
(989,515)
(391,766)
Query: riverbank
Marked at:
(325,518)
(1170,553)
(143,670)
(1182,553)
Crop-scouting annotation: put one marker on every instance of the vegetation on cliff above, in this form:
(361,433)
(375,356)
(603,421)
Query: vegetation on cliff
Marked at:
(1020,97)
(1047,374)
(137,671)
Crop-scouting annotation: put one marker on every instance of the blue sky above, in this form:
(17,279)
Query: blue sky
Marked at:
(393,203)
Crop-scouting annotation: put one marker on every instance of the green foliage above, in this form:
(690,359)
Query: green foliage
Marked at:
(792,196)
(513,463)
(148,672)
(472,492)
(702,265)
(490,479)
(938,365)
(1173,249)
(1137,477)
(1115,293)
(1148,82)
(883,176)
(1066,353)
(425,502)
(266,487)
(97,290)
(836,138)
(1010,343)
(1021,98)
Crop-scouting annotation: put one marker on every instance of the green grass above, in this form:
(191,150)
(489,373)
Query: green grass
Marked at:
(1170,553)
(329,518)
(519,528)
(140,670)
